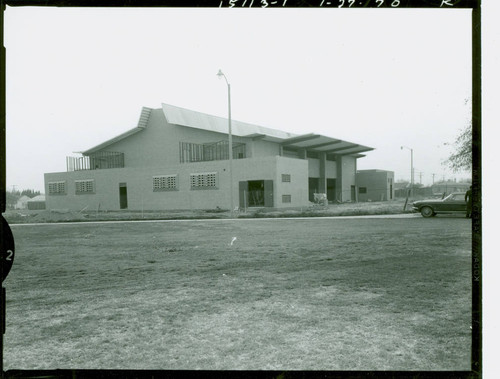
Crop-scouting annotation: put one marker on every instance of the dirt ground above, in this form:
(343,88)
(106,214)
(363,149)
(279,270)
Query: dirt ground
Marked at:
(304,294)
(345,209)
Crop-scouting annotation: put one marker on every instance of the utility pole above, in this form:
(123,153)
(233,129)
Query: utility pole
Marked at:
(230,141)
(412,170)
(433,178)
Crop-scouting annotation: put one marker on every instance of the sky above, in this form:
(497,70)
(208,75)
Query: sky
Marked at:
(382,78)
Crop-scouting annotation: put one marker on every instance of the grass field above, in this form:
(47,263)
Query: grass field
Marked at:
(316,294)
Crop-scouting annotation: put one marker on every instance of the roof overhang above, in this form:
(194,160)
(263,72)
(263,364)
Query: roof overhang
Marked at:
(322,144)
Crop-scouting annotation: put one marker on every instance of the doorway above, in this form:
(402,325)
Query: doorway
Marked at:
(123,196)
(313,188)
(256,193)
(330,190)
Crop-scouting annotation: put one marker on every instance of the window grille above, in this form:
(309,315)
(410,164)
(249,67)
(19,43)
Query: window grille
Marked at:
(214,151)
(84,186)
(286,178)
(96,161)
(57,188)
(164,182)
(286,198)
(204,180)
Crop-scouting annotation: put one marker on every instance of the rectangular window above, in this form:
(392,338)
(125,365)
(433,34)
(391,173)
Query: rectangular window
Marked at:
(204,180)
(165,183)
(286,198)
(286,178)
(362,189)
(57,188)
(84,186)
(212,151)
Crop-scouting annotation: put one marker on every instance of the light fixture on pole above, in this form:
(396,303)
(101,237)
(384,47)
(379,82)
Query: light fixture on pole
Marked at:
(221,74)
(411,166)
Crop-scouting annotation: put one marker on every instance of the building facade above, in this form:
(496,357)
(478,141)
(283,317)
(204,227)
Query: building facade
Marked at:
(375,185)
(179,159)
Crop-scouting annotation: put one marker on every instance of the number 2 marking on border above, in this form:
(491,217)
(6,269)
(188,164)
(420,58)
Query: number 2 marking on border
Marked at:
(10,253)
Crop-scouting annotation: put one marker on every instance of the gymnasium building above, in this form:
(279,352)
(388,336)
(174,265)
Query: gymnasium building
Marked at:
(177,159)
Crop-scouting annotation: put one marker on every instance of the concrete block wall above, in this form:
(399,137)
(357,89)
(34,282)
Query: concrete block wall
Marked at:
(140,194)
(377,185)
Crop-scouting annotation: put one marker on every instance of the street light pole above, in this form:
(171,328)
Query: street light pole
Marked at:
(221,74)
(411,163)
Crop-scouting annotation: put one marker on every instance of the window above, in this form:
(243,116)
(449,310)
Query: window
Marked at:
(213,151)
(362,189)
(286,178)
(164,183)
(286,198)
(57,188)
(204,180)
(84,186)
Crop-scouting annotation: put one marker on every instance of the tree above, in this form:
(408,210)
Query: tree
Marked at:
(461,158)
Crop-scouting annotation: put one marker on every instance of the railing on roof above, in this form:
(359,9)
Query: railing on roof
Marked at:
(216,151)
(96,161)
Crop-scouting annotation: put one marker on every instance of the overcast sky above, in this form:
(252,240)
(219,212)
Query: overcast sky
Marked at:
(381,78)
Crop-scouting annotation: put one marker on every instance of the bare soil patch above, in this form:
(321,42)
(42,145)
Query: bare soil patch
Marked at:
(322,294)
(344,209)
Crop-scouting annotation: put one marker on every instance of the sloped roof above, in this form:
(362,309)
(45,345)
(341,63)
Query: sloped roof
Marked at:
(311,142)
(186,117)
(37,198)
(192,119)
(23,200)
(143,121)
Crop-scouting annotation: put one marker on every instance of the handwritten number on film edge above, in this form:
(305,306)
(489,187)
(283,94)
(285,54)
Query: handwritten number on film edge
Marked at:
(340,3)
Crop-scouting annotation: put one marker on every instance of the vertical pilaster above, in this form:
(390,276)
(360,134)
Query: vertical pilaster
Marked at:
(322,173)
(338,184)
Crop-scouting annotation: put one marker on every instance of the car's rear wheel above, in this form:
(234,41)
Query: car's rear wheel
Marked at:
(427,211)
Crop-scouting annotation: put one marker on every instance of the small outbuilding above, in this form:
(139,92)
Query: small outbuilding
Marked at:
(22,202)
(37,203)
(375,185)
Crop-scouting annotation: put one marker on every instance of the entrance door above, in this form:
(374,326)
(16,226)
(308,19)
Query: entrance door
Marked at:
(330,190)
(313,188)
(255,193)
(123,196)
(353,193)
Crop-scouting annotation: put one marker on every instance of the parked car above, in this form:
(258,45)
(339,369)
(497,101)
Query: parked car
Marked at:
(453,203)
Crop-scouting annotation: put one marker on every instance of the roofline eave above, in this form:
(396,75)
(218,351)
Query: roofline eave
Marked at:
(112,140)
